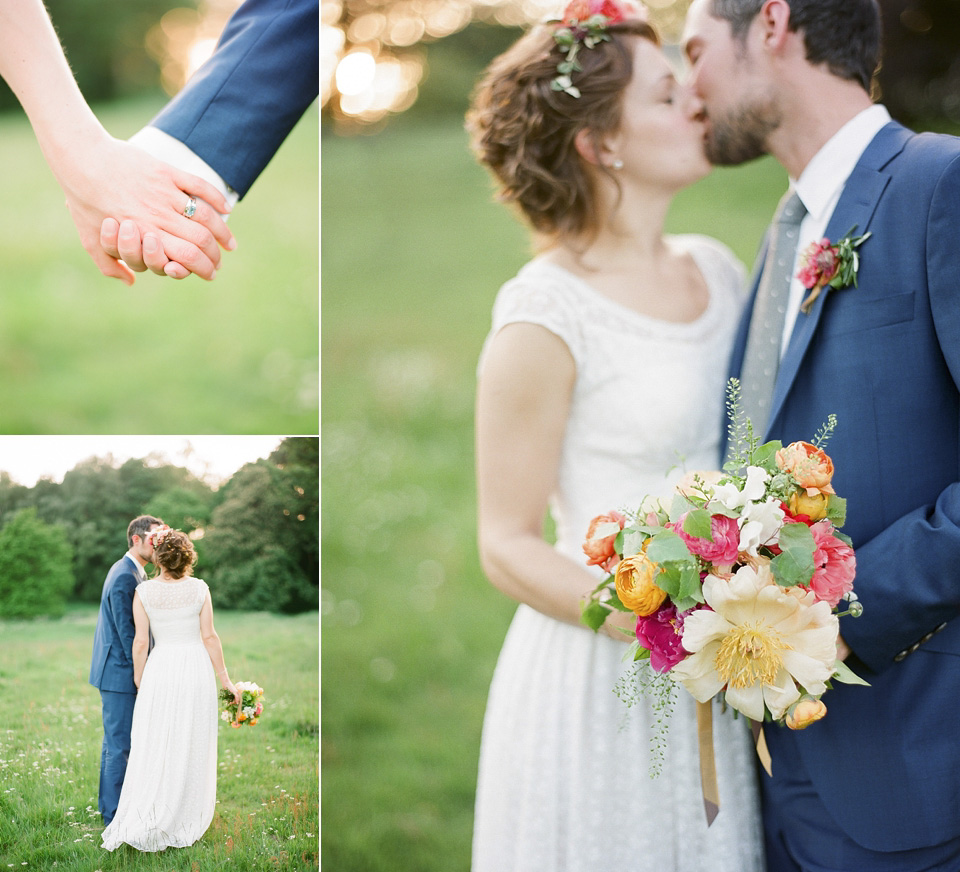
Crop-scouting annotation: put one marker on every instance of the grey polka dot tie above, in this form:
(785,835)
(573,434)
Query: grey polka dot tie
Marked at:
(762,355)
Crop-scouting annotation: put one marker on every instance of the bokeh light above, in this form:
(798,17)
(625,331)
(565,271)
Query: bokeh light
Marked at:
(388,33)
(184,38)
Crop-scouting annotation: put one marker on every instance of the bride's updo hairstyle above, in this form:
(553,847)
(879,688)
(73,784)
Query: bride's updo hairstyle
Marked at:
(174,552)
(523,130)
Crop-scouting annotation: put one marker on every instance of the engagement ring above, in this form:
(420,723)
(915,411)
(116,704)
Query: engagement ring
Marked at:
(191,208)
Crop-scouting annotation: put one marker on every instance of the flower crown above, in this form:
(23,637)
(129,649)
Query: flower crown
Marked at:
(156,536)
(585,22)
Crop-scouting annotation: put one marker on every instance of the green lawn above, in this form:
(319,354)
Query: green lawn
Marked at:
(413,252)
(80,353)
(267,812)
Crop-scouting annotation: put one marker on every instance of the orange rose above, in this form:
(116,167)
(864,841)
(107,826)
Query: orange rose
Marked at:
(814,507)
(804,713)
(635,584)
(601,535)
(809,465)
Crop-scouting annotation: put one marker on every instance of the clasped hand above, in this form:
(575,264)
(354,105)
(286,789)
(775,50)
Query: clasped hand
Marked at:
(129,209)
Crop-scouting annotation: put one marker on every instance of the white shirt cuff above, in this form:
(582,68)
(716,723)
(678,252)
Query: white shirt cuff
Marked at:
(170,150)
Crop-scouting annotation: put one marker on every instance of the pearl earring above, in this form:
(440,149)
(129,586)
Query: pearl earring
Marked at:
(618,164)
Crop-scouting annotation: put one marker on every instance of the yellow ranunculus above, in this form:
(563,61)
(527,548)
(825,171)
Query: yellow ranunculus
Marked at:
(635,584)
(804,713)
(814,507)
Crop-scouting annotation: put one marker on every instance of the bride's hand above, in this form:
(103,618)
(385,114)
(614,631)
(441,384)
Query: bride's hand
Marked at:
(618,622)
(229,685)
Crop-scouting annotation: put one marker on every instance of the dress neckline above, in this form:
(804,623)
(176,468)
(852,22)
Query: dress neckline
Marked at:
(685,243)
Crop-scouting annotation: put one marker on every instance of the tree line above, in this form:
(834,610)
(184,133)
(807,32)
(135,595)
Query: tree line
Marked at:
(256,536)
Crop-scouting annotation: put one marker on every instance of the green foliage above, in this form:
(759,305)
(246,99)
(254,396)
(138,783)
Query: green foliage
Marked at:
(262,538)
(35,571)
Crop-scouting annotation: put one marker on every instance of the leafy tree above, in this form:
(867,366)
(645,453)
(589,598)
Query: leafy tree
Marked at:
(262,541)
(35,567)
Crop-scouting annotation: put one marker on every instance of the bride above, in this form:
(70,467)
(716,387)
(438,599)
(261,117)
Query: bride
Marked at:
(170,788)
(601,379)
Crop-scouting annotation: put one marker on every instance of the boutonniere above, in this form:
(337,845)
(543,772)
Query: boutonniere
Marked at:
(823,265)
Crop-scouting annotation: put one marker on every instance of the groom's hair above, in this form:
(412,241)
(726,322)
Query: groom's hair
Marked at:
(139,527)
(843,34)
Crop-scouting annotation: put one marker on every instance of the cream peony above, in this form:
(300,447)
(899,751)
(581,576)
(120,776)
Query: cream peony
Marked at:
(759,642)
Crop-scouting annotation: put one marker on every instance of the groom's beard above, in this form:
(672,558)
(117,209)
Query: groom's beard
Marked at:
(742,134)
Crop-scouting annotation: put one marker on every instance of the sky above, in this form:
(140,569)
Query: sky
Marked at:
(211,458)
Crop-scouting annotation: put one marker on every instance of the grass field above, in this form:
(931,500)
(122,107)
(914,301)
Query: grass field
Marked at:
(413,253)
(267,812)
(77,350)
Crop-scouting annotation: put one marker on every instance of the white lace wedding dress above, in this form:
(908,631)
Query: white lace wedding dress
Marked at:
(564,782)
(169,791)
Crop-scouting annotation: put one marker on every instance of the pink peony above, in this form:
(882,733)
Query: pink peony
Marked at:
(724,548)
(834,565)
(660,633)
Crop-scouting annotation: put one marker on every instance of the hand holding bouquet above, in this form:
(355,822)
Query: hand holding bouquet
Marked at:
(736,586)
(248,710)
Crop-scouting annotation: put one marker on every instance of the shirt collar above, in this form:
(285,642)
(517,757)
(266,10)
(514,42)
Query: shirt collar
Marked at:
(822,180)
(141,572)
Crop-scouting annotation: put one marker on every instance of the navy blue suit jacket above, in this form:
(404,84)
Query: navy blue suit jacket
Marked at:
(885,357)
(238,108)
(112,665)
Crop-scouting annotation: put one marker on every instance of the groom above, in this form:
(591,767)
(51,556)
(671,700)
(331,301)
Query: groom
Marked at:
(111,669)
(875,785)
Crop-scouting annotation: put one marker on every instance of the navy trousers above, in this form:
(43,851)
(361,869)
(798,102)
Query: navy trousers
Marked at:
(117,720)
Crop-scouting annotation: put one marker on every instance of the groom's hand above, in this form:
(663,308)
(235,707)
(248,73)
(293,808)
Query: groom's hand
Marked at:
(120,181)
(843,650)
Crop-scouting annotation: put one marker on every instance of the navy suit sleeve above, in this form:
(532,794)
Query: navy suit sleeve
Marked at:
(121,611)
(912,586)
(238,108)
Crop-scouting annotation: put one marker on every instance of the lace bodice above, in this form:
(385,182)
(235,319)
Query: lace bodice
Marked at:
(173,608)
(648,401)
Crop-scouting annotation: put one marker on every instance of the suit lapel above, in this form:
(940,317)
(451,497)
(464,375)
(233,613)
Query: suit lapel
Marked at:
(856,206)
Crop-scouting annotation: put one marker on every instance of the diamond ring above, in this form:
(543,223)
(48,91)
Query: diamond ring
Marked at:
(191,208)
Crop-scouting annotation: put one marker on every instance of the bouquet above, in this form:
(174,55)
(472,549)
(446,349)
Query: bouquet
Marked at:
(736,586)
(248,710)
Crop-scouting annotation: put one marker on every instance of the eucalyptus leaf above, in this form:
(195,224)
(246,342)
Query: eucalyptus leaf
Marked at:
(690,587)
(836,509)
(794,565)
(846,675)
(680,506)
(668,547)
(593,615)
(669,580)
(632,542)
(697,523)
(765,456)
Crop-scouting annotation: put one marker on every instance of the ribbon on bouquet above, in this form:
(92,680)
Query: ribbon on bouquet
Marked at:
(708,762)
(761,743)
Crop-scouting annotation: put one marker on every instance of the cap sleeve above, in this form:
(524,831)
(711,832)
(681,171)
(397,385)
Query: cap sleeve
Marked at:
(539,296)
(202,591)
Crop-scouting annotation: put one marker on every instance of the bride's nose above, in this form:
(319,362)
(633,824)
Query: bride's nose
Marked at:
(692,105)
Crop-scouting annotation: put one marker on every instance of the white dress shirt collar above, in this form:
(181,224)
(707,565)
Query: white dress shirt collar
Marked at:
(822,180)
(141,572)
